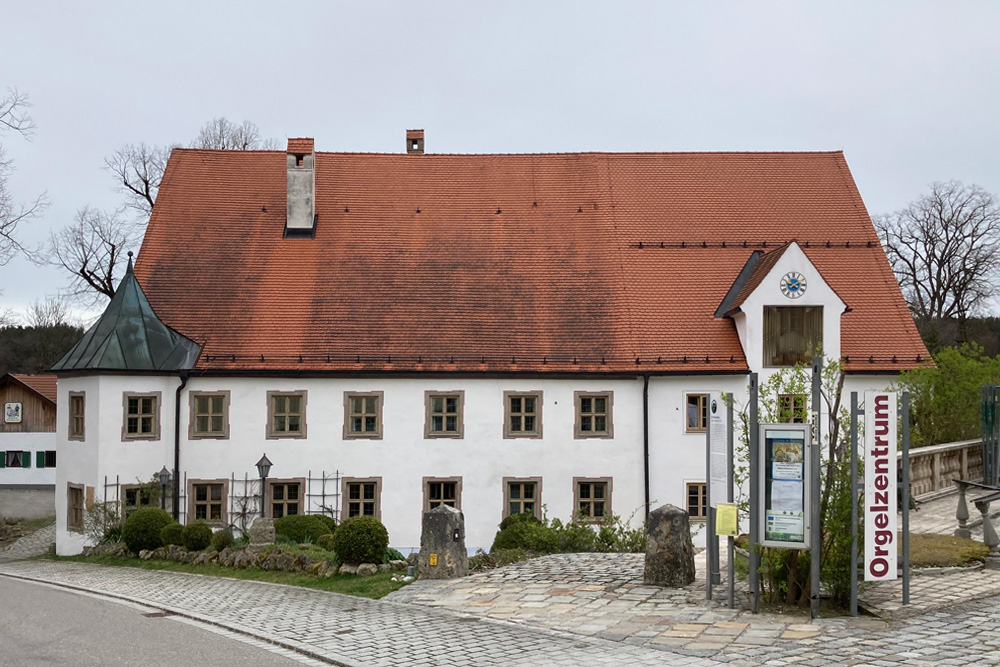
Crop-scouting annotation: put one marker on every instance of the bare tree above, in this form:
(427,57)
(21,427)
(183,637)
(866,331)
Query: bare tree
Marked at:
(223,134)
(14,118)
(139,170)
(92,249)
(48,313)
(945,251)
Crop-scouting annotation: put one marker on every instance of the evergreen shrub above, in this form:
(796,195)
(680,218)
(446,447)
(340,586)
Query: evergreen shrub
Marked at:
(172,533)
(361,539)
(142,529)
(222,539)
(299,528)
(197,536)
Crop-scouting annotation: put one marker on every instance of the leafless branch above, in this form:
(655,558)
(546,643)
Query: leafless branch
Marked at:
(139,170)
(14,115)
(223,134)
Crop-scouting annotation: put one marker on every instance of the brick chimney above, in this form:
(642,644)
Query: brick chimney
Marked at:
(301,193)
(415,142)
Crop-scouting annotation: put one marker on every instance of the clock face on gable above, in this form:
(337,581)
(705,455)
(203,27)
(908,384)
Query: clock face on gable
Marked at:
(793,285)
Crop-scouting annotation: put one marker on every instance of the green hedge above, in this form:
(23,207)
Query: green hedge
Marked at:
(172,533)
(197,536)
(142,529)
(361,539)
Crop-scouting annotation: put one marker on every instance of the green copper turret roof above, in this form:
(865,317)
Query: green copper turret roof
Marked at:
(130,337)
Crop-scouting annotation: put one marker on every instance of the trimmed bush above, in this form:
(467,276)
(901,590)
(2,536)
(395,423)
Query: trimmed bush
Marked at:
(222,539)
(142,529)
(325,542)
(197,536)
(327,521)
(172,533)
(301,528)
(361,539)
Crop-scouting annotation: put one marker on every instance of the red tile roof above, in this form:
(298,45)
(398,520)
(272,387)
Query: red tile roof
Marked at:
(559,262)
(414,134)
(42,384)
(300,146)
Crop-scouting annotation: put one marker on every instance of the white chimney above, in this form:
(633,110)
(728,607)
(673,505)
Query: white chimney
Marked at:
(301,193)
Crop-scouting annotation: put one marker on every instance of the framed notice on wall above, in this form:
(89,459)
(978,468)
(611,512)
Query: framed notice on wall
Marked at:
(784,488)
(12,413)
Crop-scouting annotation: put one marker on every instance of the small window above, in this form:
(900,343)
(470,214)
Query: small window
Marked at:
(593,415)
(135,497)
(523,415)
(286,415)
(697,500)
(444,414)
(363,418)
(523,496)
(792,334)
(362,497)
(17,459)
(210,415)
(285,498)
(593,498)
(696,419)
(74,510)
(208,501)
(792,408)
(439,492)
(142,417)
(76,412)
(45,459)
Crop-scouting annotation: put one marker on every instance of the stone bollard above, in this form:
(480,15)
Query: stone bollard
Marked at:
(669,550)
(261,532)
(442,544)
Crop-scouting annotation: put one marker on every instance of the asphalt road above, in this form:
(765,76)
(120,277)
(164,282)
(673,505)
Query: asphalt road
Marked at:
(41,625)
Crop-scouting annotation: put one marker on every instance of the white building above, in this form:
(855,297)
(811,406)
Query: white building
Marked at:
(498,332)
(27,446)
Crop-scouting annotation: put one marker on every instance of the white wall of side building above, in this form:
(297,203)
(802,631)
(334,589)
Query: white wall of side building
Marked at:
(31,443)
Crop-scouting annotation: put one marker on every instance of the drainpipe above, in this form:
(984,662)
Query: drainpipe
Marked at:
(645,437)
(177,444)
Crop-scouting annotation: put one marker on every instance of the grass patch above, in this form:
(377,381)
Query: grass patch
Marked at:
(931,550)
(374,587)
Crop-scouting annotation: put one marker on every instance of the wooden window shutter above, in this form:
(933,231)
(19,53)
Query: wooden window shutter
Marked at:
(90,498)
(39,459)
(25,459)
(3,459)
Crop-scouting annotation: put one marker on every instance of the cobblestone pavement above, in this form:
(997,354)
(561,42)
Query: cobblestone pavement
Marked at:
(341,629)
(37,543)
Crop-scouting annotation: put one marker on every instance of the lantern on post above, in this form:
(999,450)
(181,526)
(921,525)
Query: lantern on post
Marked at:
(263,467)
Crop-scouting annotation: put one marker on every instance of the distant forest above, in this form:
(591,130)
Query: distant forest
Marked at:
(35,349)
(984,331)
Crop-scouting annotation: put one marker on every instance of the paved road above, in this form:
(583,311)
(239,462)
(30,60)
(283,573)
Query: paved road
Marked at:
(42,625)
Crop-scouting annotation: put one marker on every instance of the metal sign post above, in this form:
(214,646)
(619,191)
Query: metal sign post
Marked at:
(905,413)
(815,529)
(754,495)
(730,563)
(719,438)
(854,503)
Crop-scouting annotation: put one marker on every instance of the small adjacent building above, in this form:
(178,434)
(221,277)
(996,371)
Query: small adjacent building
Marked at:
(27,446)
(497,333)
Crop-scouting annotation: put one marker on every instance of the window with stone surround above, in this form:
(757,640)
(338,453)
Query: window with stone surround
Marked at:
(593,414)
(697,500)
(442,491)
(523,414)
(592,498)
(142,416)
(522,495)
(444,414)
(362,497)
(286,414)
(209,415)
(363,415)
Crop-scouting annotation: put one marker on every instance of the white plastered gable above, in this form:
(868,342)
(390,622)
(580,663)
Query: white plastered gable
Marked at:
(749,318)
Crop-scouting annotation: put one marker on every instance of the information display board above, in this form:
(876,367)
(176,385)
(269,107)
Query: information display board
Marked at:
(784,486)
(718,450)
(880,486)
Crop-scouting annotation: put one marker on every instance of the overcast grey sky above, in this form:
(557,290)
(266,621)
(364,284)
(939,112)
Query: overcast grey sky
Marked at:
(907,89)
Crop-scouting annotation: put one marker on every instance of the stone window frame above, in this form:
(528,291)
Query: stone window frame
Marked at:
(75,512)
(77,397)
(609,432)
(345,483)
(508,432)
(698,493)
(193,433)
(353,435)
(191,513)
(425,484)
(793,408)
(577,499)
(507,481)
(126,508)
(700,399)
(459,395)
(286,435)
(157,406)
(285,481)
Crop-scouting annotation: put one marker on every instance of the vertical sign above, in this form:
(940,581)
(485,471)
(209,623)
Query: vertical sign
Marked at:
(880,486)
(718,449)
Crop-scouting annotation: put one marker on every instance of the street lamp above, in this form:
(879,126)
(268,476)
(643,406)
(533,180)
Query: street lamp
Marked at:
(263,467)
(164,476)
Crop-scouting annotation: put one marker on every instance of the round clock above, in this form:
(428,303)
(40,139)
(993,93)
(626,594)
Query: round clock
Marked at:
(793,285)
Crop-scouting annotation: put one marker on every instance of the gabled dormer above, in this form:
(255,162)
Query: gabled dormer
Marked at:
(783,309)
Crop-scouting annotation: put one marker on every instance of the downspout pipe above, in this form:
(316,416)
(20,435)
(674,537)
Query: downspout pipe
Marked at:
(177,444)
(645,437)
